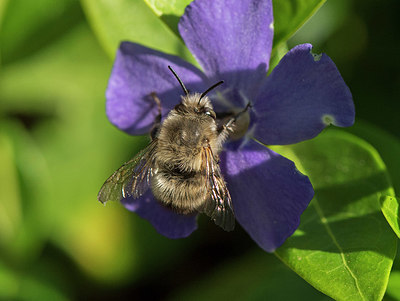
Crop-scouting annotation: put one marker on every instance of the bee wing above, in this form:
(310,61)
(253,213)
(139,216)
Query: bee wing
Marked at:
(132,178)
(219,206)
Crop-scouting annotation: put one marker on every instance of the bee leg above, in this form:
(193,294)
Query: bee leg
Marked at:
(229,125)
(234,118)
(157,120)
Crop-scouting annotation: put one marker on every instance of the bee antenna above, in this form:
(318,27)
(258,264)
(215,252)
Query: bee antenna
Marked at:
(179,80)
(209,89)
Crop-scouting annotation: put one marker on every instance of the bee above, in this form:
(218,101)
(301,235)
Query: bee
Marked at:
(181,163)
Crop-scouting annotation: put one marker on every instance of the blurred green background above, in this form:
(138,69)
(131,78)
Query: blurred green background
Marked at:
(57,148)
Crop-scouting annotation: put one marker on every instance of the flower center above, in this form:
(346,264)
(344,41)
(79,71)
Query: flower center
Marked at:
(241,114)
(241,124)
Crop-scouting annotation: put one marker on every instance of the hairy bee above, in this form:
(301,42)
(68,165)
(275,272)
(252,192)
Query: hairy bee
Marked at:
(181,164)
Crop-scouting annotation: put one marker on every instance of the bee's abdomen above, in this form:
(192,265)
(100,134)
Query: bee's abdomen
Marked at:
(183,191)
(180,157)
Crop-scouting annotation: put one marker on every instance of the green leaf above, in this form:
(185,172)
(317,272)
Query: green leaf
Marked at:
(28,26)
(115,21)
(10,206)
(252,276)
(3,5)
(33,182)
(42,281)
(344,246)
(393,289)
(390,208)
(389,148)
(290,15)
(9,283)
(169,11)
(385,143)
(39,283)
(321,26)
(34,288)
(278,54)
(62,159)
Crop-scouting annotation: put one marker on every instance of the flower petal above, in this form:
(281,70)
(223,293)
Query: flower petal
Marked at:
(304,94)
(268,193)
(229,38)
(164,220)
(137,72)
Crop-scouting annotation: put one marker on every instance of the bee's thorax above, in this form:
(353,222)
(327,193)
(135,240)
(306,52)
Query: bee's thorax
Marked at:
(184,133)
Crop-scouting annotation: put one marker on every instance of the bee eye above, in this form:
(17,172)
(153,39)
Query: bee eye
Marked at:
(211,114)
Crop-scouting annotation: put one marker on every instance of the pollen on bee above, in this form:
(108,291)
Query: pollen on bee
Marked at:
(328,119)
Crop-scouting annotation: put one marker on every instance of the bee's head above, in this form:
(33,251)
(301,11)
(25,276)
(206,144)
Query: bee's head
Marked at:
(195,103)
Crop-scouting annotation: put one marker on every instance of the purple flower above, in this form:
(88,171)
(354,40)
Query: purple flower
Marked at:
(232,41)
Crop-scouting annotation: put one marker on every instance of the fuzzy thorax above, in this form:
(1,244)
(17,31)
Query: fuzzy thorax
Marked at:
(188,129)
